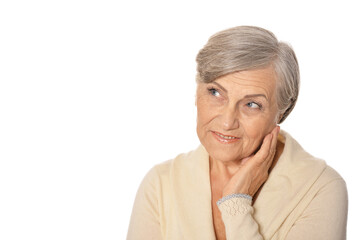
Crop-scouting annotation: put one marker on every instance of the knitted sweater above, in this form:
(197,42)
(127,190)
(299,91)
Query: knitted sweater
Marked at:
(303,198)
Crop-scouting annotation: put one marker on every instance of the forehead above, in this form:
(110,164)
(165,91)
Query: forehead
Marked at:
(250,82)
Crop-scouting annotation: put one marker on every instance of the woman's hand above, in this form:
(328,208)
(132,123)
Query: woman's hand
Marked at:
(253,171)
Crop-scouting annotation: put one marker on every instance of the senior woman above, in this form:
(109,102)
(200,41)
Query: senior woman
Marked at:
(247,180)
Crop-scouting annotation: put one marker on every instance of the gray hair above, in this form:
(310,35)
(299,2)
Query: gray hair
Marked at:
(248,48)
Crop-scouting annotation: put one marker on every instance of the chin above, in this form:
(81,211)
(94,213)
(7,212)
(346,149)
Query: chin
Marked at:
(224,152)
(223,155)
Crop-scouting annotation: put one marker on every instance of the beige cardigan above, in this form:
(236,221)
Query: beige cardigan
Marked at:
(303,198)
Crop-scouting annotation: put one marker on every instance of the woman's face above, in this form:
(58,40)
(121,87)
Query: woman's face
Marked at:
(235,112)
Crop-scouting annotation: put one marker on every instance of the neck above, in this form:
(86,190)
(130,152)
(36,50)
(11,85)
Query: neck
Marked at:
(223,170)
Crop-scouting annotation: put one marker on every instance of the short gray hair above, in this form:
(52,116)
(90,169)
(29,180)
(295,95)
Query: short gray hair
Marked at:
(248,48)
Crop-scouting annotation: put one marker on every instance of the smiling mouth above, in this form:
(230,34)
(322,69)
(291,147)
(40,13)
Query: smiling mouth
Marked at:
(224,138)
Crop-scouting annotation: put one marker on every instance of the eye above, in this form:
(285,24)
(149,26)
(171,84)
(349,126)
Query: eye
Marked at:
(214,92)
(253,105)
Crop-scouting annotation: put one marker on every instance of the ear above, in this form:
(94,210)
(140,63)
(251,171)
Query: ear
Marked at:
(279,118)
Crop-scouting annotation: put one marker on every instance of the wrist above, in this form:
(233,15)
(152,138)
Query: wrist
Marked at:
(234,195)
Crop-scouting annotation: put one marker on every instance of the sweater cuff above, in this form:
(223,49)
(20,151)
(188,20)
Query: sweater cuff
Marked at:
(235,206)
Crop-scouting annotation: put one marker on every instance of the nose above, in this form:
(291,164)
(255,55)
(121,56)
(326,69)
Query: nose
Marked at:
(230,119)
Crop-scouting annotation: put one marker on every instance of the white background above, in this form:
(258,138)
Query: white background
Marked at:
(94,93)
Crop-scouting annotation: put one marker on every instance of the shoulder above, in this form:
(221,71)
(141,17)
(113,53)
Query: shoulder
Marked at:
(328,207)
(326,179)
(153,177)
(307,162)
(304,170)
(322,214)
(332,183)
(182,163)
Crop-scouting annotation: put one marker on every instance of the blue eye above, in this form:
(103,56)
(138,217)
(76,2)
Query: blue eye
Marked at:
(213,91)
(253,105)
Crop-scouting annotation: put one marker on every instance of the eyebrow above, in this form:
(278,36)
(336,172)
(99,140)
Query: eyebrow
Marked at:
(220,86)
(256,95)
(247,96)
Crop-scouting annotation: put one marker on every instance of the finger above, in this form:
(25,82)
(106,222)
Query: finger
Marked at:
(273,148)
(263,152)
(275,132)
(268,148)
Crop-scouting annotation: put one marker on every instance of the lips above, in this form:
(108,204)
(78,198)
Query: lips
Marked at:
(222,138)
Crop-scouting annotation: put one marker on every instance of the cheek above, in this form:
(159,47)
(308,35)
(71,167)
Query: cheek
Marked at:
(257,129)
(201,116)
(204,113)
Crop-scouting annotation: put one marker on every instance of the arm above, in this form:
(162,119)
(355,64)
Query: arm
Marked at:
(237,212)
(237,215)
(144,222)
(324,219)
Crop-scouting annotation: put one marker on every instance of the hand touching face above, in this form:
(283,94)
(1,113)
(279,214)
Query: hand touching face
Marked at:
(254,171)
(235,113)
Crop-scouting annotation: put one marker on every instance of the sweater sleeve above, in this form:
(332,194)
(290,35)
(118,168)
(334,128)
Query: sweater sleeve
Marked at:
(144,222)
(324,219)
(237,216)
